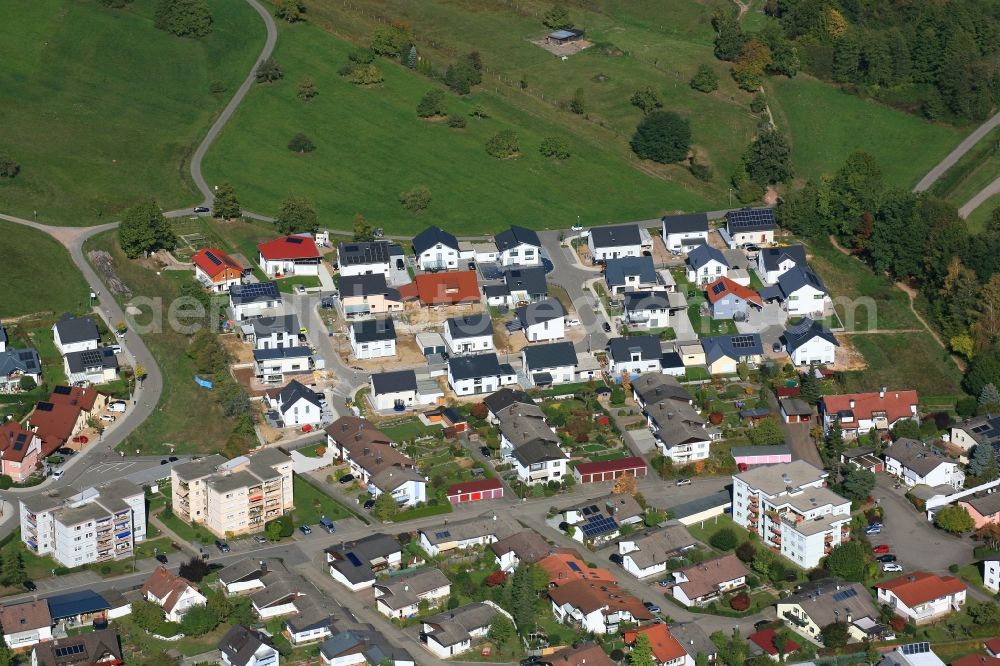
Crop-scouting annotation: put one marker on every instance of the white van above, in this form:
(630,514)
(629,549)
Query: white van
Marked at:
(118,406)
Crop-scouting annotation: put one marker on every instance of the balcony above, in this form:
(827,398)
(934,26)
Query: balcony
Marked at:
(795,620)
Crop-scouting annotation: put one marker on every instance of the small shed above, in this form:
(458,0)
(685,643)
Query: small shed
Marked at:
(748,456)
(863,457)
(564,36)
(609,470)
(475,491)
(795,410)
(754,415)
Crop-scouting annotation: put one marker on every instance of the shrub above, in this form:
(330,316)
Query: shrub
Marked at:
(457,122)
(724,539)
(716,418)
(416,199)
(289,10)
(8,166)
(361,56)
(503,145)
(740,602)
(365,75)
(705,80)
(554,147)
(758,103)
(268,72)
(431,104)
(184,18)
(662,136)
(618,396)
(746,551)
(700,171)
(300,143)
(953,568)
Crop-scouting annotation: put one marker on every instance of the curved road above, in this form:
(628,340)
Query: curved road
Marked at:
(979,199)
(955,155)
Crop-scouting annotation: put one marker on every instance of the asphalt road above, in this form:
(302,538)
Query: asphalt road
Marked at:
(979,199)
(956,154)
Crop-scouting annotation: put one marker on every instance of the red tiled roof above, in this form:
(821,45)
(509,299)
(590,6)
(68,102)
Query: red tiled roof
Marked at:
(976,660)
(9,432)
(289,247)
(26,616)
(166,586)
(993,646)
(565,567)
(84,398)
(54,421)
(789,391)
(666,648)
(731,287)
(589,596)
(474,486)
(215,262)
(765,640)
(920,587)
(444,288)
(895,404)
(622,464)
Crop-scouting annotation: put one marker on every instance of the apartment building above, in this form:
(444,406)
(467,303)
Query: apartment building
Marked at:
(792,510)
(232,497)
(77,527)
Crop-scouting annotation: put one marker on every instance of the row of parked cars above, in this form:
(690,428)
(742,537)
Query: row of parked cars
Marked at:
(883,552)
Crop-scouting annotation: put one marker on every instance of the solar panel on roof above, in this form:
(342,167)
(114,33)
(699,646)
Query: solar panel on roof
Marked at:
(442,535)
(68,650)
(719,288)
(62,390)
(258,289)
(750,217)
(353,559)
(593,507)
(44,406)
(916,648)
(297,240)
(574,566)
(214,259)
(586,511)
(743,341)
(845,594)
(981,428)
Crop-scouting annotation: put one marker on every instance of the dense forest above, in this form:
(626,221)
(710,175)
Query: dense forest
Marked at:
(936,58)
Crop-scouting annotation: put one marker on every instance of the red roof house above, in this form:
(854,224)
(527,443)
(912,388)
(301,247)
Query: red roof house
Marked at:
(290,255)
(993,647)
(56,423)
(475,491)
(859,413)
(19,449)
(609,470)
(87,399)
(765,641)
(216,269)
(716,291)
(666,648)
(922,596)
(443,288)
(977,660)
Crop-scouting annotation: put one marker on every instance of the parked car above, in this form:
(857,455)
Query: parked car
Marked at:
(369,504)
(30,586)
(606,326)
(327,524)
(57,474)
(258,539)
(870,530)
(615,557)
(760,624)
(886,558)
(161,558)
(173,459)
(347,478)
(664,583)
(202,209)
(117,406)
(683,482)
(891,567)
(881,550)
(305,529)
(163,462)
(572,322)
(107,417)
(651,607)
(65,451)
(222,546)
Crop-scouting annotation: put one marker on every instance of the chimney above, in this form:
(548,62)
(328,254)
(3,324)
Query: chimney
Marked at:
(849,618)
(881,392)
(851,403)
(367,451)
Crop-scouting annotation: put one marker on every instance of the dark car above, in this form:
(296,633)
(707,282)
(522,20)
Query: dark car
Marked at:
(163,462)
(615,557)
(30,586)
(173,459)
(201,209)
(485,450)
(161,558)
(528,661)
(305,529)
(886,558)
(222,546)
(606,326)
(65,450)
(369,504)
(347,478)
(760,624)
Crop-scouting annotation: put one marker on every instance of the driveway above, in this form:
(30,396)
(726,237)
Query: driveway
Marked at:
(568,274)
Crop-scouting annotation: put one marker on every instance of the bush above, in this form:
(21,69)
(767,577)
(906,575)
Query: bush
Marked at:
(618,396)
(416,200)
(503,145)
(746,551)
(740,602)
(268,72)
(365,75)
(27,383)
(8,167)
(700,171)
(431,104)
(457,122)
(289,10)
(554,147)
(361,56)
(300,143)
(724,539)
(705,80)
(662,136)
(184,18)
(953,568)
(758,103)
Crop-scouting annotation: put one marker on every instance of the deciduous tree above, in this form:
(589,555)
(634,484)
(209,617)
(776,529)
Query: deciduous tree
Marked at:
(226,206)
(416,199)
(144,229)
(663,137)
(766,432)
(554,147)
(557,18)
(290,10)
(768,160)
(848,561)
(307,89)
(296,214)
(642,652)
(194,569)
(954,518)
(184,18)
(431,104)
(646,99)
(300,143)
(503,145)
(268,72)
(753,61)
(704,80)
(8,166)
(724,539)
(385,507)
(858,483)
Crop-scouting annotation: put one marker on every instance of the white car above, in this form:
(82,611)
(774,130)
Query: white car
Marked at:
(57,474)
(891,567)
(117,406)
(577,228)
(572,322)
(107,417)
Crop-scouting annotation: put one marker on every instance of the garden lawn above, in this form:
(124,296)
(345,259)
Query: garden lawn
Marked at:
(904,361)
(311,503)
(57,288)
(407,430)
(101,109)
(704,531)
(187,531)
(401,151)
(287,285)
(827,125)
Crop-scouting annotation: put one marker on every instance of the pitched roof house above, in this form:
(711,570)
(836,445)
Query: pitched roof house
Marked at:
(245,647)
(666,648)
(597,608)
(809,342)
(174,594)
(452,632)
(26,623)
(443,288)
(701,583)
(822,603)
(356,564)
(859,413)
(95,648)
(918,463)
(215,269)
(922,597)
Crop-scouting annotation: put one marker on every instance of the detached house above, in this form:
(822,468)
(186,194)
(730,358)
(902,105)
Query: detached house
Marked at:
(634,355)
(73,334)
(367,295)
(468,533)
(483,373)
(524,547)
(810,343)
(247,300)
(469,334)
(443,289)
(646,553)
(701,583)
(773,262)
(272,332)
(93,366)
(245,647)
(374,461)
(174,594)
(597,609)
(520,285)
(681,233)
(369,258)
(25,624)
(528,442)
(599,520)
(436,250)
(453,632)
(400,390)
(820,604)
(273,364)
(678,430)
(801,292)
(362,645)
(549,364)
(977,431)
(922,597)
(652,309)
(20,451)
(290,255)
(724,353)
(729,300)
(373,338)
(705,264)
(400,596)
(626,240)
(544,320)
(750,226)
(916,463)
(860,413)
(18,363)
(216,270)
(630,274)
(96,648)
(356,564)
(667,650)
(297,404)
(518,246)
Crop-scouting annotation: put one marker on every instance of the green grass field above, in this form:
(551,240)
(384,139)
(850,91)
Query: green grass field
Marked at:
(38,274)
(827,125)
(980,217)
(904,360)
(311,503)
(101,109)
(975,170)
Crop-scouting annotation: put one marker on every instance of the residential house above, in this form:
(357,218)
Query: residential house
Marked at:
(524,547)
(313,622)
(356,564)
(467,533)
(630,274)
(93,366)
(549,364)
(100,647)
(667,650)
(625,240)
(801,291)
(647,553)
(922,597)
(978,430)
(918,463)
(860,413)
(374,461)
(26,623)
(524,285)
(724,353)
(406,485)
(297,404)
(174,594)
(729,300)
(16,364)
(809,342)
(504,399)
(362,646)
(469,334)
(368,295)
(20,451)
(911,654)
(400,390)
(678,430)
(400,597)
(766,641)
(609,470)
(290,255)
(984,507)
(599,520)
(481,252)
(634,355)
(272,332)
(216,270)
(452,632)
(705,264)
(653,387)
(773,262)
(373,338)
(478,490)
(750,226)
(584,654)
(681,233)
(279,596)
(245,647)
(73,334)
(652,309)
(565,566)
(250,575)
(271,365)
(443,288)
(701,583)
(247,300)
(56,423)
(991,575)
(539,461)
(822,603)
(518,247)
(482,373)
(544,320)
(435,250)
(369,258)
(523,425)
(597,609)
(792,510)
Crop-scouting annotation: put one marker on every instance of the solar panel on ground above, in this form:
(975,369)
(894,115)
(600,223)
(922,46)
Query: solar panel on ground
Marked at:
(845,594)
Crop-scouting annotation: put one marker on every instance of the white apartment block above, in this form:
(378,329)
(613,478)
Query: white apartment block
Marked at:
(232,497)
(98,524)
(790,508)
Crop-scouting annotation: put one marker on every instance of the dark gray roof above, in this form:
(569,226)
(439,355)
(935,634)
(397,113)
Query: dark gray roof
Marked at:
(470,326)
(430,237)
(470,367)
(77,329)
(772,256)
(796,407)
(506,397)
(916,456)
(703,254)
(696,506)
(239,644)
(678,224)
(353,559)
(366,285)
(25,361)
(370,330)
(455,626)
(360,254)
(243,294)
(732,346)
(671,360)
(617,236)
(366,641)
(552,355)
(984,429)
(514,236)
(531,280)
(616,270)
(798,334)
(493,290)
(536,313)
(832,600)
(394,382)
(638,301)
(798,277)
(750,219)
(90,358)
(621,349)
(281,352)
(3,334)
(653,387)
(264,326)
(295,391)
